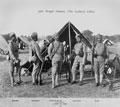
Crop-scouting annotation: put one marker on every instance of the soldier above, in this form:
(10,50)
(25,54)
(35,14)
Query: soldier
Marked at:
(80,58)
(101,54)
(14,58)
(35,57)
(55,52)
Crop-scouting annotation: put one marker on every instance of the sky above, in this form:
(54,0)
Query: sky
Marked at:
(26,16)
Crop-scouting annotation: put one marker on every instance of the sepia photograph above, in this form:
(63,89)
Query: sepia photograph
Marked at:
(56,53)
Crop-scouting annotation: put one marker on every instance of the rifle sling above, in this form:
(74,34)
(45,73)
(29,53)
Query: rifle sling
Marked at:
(55,50)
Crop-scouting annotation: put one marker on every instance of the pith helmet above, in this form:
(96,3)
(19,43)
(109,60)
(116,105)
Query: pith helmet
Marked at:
(99,36)
(57,36)
(34,35)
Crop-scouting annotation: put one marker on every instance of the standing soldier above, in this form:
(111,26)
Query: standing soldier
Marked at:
(35,57)
(80,58)
(14,58)
(101,54)
(55,52)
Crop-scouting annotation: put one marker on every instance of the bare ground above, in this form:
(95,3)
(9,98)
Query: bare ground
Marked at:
(65,90)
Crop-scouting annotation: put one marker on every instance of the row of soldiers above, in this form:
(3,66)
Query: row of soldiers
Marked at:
(56,54)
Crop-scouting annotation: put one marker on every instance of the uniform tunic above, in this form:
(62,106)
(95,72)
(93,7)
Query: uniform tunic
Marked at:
(55,52)
(99,63)
(14,54)
(13,50)
(80,52)
(35,56)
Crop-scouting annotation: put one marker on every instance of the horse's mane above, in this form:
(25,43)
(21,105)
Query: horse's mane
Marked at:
(44,44)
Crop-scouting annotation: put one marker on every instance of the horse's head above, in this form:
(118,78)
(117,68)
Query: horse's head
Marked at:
(43,43)
(43,46)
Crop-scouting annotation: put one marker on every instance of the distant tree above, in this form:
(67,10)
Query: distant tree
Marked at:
(117,37)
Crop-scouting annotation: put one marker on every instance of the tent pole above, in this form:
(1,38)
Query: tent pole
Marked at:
(70,64)
(69,37)
(69,41)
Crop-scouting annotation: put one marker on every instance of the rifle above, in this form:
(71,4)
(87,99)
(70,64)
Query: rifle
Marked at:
(93,50)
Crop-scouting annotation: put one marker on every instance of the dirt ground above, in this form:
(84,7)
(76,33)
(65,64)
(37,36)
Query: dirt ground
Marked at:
(65,90)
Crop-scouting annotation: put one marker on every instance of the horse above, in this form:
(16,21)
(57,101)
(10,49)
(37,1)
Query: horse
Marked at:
(28,66)
(47,64)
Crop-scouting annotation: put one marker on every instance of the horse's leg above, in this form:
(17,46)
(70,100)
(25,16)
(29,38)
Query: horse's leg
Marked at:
(19,75)
(66,72)
(12,73)
(69,73)
(40,81)
(40,73)
(114,74)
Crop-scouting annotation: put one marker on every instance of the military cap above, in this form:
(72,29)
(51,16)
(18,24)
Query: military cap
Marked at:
(77,35)
(57,36)
(12,34)
(34,35)
(99,36)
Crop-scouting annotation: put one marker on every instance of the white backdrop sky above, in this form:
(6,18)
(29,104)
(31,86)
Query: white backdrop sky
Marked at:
(22,16)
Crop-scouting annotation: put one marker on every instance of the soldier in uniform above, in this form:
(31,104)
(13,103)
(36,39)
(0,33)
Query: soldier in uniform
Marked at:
(14,58)
(101,54)
(80,58)
(55,52)
(35,57)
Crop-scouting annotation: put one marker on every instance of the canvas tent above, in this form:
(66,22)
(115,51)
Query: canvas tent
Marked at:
(3,44)
(6,37)
(25,40)
(68,32)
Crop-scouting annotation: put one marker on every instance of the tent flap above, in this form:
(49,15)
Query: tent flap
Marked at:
(3,43)
(25,40)
(67,34)
(84,39)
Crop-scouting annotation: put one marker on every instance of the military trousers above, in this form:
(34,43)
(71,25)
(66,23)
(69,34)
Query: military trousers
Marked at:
(14,67)
(36,71)
(77,62)
(99,69)
(56,69)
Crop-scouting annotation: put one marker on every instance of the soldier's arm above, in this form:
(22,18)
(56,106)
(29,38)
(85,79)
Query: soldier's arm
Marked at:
(50,50)
(30,52)
(85,53)
(10,51)
(107,52)
(37,49)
